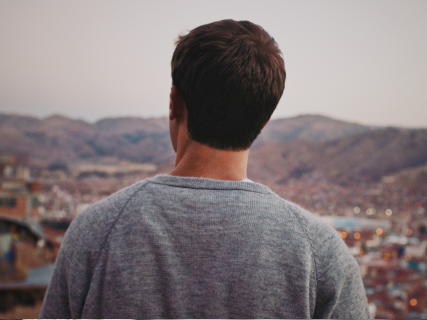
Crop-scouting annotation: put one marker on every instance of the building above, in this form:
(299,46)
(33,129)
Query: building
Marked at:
(26,262)
(26,253)
(18,193)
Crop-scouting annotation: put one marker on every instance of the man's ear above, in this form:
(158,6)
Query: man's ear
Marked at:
(176,104)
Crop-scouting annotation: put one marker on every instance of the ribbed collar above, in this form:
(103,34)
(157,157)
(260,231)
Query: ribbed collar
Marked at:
(204,183)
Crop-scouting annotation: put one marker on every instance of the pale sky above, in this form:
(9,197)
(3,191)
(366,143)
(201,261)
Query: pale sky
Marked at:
(359,61)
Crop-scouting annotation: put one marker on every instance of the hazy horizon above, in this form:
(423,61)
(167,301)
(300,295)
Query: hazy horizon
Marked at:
(361,62)
(165,116)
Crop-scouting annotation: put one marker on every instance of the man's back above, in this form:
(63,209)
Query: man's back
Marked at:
(202,248)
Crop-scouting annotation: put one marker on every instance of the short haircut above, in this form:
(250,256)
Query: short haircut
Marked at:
(231,75)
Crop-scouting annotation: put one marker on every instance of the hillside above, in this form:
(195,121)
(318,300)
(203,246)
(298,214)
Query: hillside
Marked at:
(135,139)
(307,147)
(308,128)
(367,156)
(59,138)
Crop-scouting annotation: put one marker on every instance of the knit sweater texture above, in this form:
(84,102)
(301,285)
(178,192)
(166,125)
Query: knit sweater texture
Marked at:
(182,247)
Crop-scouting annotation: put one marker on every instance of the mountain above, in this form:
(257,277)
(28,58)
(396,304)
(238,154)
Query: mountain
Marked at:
(367,156)
(59,138)
(301,146)
(130,124)
(141,140)
(136,139)
(309,128)
(18,122)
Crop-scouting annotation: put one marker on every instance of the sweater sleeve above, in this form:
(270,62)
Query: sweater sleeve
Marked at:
(78,255)
(70,280)
(340,290)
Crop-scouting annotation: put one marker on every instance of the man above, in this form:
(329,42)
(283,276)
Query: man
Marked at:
(204,241)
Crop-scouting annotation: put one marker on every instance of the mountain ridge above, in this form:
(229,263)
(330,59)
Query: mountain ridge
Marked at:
(367,156)
(297,146)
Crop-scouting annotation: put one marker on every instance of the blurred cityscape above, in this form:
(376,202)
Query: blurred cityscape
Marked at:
(383,225)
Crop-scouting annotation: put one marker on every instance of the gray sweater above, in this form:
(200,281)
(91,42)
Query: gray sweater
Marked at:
(175,247)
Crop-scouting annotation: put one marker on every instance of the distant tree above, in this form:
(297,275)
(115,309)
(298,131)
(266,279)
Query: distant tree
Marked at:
(86,174)
(57,224)
(57,165)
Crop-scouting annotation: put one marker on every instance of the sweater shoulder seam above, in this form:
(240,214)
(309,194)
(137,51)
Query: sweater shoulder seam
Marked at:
(110,229)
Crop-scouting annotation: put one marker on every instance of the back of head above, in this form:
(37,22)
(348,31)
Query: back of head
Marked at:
(231,75)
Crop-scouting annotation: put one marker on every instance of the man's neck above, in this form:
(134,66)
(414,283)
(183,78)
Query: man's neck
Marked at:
(198,160)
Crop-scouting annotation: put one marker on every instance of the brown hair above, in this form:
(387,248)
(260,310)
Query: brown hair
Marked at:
(231,75)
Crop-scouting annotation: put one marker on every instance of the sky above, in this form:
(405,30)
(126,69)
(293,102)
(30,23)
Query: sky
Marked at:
(358,61)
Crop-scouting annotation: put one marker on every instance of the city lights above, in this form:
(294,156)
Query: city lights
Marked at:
(409,232)
(356,210)
(413,302)
(379,231)
(357,236)
(388,212)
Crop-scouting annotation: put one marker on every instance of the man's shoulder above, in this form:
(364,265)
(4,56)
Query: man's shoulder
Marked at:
(337,271)
(313,225)
(91,227)
(325,241)
(110,207)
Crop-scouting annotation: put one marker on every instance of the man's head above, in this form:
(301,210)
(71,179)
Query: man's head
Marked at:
(231,76)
